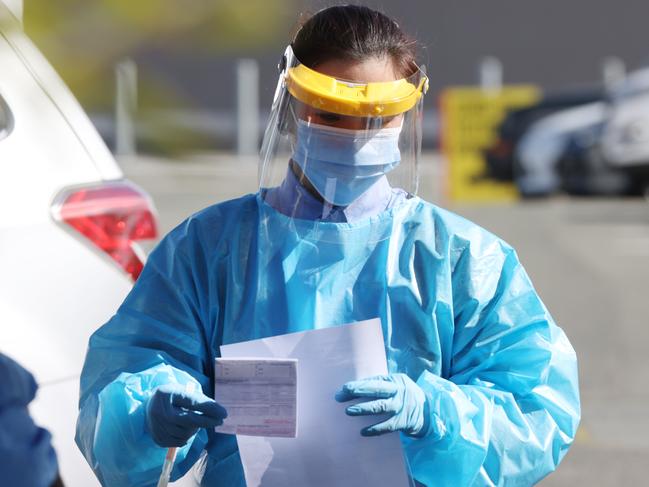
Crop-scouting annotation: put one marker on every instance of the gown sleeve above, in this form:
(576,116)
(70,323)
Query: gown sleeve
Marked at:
(27,458)
(508,410)
(156,337)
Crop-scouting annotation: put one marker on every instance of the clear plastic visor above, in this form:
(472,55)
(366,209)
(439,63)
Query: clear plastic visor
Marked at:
(335,145)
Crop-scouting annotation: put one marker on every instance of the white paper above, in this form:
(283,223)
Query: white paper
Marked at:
(329,450)
(260,396)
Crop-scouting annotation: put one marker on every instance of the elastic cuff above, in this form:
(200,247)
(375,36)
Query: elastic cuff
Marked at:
(426,426)
(433,387)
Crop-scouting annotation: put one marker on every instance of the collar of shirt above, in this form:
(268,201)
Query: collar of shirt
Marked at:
(293,199)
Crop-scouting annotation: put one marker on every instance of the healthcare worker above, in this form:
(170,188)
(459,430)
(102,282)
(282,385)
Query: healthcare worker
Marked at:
(27,458)
(482,386)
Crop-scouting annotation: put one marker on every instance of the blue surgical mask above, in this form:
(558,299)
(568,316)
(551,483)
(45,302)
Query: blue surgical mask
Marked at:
(342,164)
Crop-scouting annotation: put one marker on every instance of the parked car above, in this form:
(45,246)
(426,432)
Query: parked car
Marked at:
(538,153)
(500,155)
(625,138)
(583,170)
(599,148)
(69,231)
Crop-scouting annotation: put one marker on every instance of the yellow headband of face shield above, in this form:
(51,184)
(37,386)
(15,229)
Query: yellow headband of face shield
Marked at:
(380,99)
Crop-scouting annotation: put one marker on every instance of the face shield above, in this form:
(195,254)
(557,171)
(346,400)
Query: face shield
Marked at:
(338,138)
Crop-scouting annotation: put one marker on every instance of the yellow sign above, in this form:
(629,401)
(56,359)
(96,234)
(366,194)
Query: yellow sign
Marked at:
(470,117)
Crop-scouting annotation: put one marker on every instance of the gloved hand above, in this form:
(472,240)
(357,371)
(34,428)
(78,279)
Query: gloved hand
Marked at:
(19,386)
(174,415)
(394,394)
(26,454)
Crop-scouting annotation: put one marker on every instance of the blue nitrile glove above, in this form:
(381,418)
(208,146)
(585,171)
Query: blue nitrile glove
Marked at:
(174,415)
(394,394)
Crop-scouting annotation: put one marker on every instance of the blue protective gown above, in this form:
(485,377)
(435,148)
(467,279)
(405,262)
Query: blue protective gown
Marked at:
(458,312)
(27,458)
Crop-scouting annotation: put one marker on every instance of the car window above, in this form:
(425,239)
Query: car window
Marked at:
(6,120)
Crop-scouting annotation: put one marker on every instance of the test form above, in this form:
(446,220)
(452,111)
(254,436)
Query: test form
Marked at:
(260,396)
(329,449)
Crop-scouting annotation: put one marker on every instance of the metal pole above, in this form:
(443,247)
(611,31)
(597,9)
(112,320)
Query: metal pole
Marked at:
(247,107)
(125,107)
(491,73)
(613,71)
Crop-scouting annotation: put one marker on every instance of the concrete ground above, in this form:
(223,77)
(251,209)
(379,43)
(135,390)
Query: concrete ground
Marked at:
(588,258)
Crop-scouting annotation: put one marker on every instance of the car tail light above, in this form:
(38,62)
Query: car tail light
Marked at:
(502,148)
(113,216)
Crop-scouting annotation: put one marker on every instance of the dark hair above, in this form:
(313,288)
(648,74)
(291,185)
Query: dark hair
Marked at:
(354,33)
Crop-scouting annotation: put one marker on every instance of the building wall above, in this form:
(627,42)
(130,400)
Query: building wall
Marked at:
(555,43)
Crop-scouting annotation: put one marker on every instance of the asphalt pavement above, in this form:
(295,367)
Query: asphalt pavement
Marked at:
(588,258)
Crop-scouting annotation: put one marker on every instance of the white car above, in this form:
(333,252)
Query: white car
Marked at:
(69,224)
(625,141)
(605,143)
(539,150)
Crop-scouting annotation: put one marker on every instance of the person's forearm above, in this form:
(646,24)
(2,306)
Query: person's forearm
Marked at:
(122,449)
(485,431)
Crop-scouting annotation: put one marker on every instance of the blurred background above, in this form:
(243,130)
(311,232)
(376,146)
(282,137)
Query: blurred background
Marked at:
(187,59)
(536,127)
